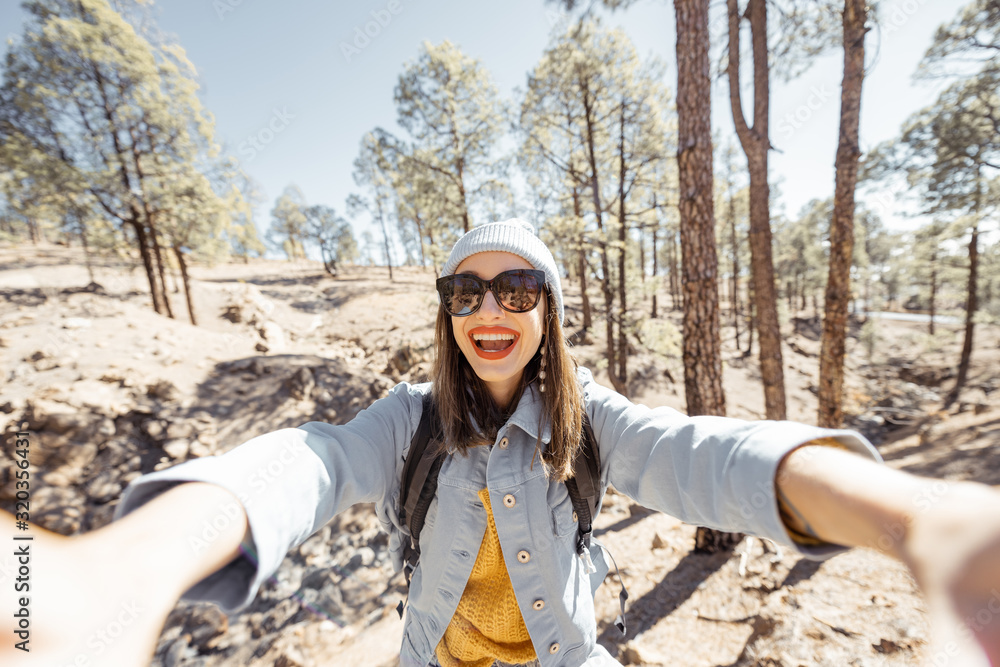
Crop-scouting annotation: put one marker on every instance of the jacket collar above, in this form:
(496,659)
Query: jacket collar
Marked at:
(526,415)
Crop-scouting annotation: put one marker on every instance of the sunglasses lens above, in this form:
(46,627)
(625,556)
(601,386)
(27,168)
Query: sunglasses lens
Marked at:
(461,295)
(518,291)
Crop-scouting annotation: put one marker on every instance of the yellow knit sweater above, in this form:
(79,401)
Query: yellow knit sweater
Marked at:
(487,625)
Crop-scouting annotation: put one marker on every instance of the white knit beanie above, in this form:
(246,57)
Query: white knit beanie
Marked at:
(516,236)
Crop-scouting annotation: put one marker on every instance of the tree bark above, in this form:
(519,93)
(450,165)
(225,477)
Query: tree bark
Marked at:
(933,304)
(751,315)
(674,280)
(588,317)
(465,205)
(86,247)
(385,233)
(735,290)
(187,283)
(147,261)
(838,284)
(701,346)
(756,144)
(623,241)
(971,301)
(656,286)
(158,256)
(702,353)
(595,189)
(420,239)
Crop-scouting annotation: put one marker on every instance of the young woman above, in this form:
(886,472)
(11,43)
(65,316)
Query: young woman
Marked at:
(500,580)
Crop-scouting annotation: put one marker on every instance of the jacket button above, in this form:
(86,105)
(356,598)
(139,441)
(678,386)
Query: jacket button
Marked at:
(554,648)
(509,500)
(504,442)
(575,517)
(523,556)
(538,605)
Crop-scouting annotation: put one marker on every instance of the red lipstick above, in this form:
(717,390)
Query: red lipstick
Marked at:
(493,354)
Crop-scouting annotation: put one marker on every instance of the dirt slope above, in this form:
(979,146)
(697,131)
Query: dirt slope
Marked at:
(113,390)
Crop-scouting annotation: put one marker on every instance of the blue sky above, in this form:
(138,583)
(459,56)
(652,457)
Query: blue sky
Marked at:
(278,72)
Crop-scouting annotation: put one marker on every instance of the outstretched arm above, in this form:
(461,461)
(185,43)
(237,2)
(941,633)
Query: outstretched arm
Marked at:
(102,598)
(947,533)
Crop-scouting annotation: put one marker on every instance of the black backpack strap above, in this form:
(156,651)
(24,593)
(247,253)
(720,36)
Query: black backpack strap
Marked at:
(585,493)
(419,483)
(585,487)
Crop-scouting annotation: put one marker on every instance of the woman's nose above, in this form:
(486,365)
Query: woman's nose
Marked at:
(491,308)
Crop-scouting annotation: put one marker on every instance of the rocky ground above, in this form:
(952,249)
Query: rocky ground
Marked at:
(110,390)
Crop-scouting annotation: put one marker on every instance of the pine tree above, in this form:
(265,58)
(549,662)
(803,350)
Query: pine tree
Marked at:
(288,222)
(449,104)
(372,170)
(100,122)
(332,234)
(838,285)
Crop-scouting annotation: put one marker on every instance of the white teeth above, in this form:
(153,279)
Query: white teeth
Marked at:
(494,336)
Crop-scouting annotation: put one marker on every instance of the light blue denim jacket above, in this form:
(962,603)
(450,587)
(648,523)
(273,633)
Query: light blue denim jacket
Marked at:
(709,471)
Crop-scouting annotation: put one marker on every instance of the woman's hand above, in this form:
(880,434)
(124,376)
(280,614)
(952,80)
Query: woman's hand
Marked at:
(947,533)
(953,550)
(77,601)
(102,598)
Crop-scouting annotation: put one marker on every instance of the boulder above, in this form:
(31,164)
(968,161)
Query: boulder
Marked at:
(164,390)
(301,383)
(206,624)
(274,337)
(177,449)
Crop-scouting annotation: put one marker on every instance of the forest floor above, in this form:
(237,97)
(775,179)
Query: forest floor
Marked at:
(113,390)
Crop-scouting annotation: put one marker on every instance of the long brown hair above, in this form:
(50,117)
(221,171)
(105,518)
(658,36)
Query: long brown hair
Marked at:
(463,400)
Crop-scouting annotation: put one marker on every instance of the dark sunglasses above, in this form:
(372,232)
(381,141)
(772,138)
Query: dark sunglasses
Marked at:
(517,291)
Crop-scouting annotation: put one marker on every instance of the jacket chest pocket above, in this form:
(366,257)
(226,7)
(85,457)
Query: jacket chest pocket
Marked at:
(564,520)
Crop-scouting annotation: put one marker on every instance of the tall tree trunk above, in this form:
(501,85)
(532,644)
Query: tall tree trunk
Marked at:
(430,239)
(702,353)
(385,234)
(595,190)
(675,283)
(971,301)
(735,290)
(86,247)
(33,230)
(756,144)
(460,168)
(642,253)
(187,283)
(158,256)
(838,283)
(147,262)
(751,315)
(588,317)
(656,285)
(623,242)
(420,239)
(933,304)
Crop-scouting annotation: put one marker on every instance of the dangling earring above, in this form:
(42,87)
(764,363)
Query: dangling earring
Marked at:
(541,370)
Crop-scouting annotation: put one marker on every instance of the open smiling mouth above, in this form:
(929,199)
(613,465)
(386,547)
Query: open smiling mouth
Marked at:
(493,344)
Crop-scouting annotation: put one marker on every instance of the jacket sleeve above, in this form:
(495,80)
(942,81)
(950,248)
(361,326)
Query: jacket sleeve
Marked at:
(291,482)
(707,471)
